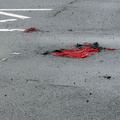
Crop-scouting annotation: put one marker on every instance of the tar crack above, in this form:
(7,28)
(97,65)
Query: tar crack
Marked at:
(58,12)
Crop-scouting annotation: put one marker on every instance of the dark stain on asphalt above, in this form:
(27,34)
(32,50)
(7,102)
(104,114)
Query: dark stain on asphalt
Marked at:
(73,2)
(87,101)
(107,77)
(90,93)
(70,30)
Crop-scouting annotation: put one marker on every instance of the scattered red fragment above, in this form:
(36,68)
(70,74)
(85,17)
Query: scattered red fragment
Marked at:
(109,48)
(32,29)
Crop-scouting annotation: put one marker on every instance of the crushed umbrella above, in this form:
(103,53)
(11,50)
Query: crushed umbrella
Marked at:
(32,29)
(81,51)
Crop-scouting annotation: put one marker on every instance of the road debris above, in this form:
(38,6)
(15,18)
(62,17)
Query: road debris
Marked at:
(81,51)
(16,53)
(107,77)
(4,59)
(32,29)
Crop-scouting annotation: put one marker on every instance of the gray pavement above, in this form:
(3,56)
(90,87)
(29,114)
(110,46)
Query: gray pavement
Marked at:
(37,87)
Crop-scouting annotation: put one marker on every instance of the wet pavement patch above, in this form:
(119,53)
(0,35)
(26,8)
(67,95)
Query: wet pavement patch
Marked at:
(79,50)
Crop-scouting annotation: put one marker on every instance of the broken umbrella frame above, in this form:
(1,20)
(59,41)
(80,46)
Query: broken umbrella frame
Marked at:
(82,51)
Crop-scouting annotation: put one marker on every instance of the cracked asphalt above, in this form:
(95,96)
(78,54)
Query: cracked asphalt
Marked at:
(38,87)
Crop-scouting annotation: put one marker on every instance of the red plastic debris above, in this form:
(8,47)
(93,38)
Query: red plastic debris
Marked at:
(32,29)
(70,53)
(90,49)
(77,53)
(82,51)
(66,52)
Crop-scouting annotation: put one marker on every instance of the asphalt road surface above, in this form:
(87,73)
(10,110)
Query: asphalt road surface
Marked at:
(38,87)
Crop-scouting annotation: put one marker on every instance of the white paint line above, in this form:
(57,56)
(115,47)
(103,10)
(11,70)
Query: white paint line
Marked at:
(16,53)
(7,30)
(25,9)
(8,20)
(14,15)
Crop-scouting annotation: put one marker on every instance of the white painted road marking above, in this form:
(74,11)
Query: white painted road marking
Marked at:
(7,30)
(8,20)
(25,9)
(18,16)
(14,15)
